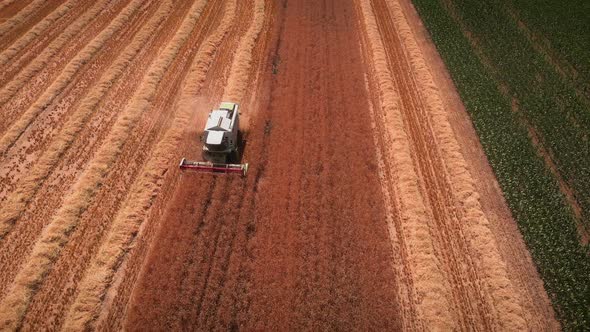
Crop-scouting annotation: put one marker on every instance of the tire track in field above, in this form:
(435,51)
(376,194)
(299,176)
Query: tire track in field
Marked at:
(68,217)
(312,308)
(40,73)
(405,286)
(34,41)
(426,286)
(321,228)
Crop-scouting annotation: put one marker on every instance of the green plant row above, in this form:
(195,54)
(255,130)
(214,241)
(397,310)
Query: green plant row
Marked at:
(565,24)
(548,103)
(544,218)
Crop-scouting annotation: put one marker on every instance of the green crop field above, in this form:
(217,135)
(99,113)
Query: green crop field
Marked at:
(524,84)
(562,29)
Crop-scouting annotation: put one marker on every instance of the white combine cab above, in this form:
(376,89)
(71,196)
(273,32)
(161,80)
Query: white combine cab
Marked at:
(221,142)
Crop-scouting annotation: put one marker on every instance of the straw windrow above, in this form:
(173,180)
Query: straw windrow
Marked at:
(56,234)
(431,294)
(20,17)
(41,61)
(27,187)
(36,31)
(143,192)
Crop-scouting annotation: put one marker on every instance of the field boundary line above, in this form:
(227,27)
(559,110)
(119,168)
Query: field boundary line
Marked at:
(56,234)
(27,187)
(97,279)
(35,32)
(66,76)
(56,45)
(431,297)
(476,224)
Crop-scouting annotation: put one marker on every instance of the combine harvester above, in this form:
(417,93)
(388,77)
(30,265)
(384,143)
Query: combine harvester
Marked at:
(221,141)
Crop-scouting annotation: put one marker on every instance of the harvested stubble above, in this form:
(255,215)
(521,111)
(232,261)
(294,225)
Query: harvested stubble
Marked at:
(36,31)
(27,187)
(240,69)
(127,223)
(50,51)
(47,249)
(14,206)
(66,76)
(20,17)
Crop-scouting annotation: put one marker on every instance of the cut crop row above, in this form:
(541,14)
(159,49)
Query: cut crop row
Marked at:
(143,193)
(57,233)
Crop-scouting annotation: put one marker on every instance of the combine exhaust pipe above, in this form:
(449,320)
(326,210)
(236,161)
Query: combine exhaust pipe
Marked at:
(206,166)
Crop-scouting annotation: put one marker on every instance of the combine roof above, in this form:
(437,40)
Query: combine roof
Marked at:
(219,120)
